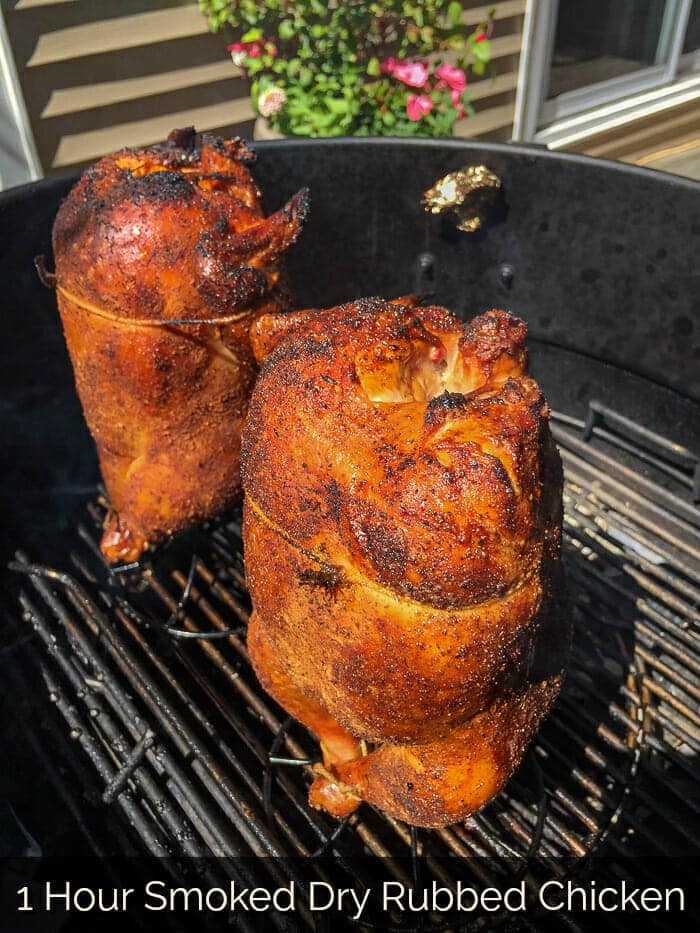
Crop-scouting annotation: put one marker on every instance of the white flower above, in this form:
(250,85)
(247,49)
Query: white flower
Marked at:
(271,101)
(238,57)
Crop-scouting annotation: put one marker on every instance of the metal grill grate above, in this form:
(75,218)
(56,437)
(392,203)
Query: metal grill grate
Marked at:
(148,668)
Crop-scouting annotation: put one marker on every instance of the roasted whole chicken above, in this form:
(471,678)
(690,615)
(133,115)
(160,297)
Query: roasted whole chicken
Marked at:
(402,524)
(163,259)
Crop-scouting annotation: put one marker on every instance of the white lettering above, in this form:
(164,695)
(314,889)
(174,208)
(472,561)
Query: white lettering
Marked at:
(557,887)
(681,899)
(650,899)
(360,902)
(238,900)
(316,891)
(608,908)
(514,899)
(212,895)
(397,898)
(439,892)
(185,894)
(24,894)
(87,902)
(278,898)
(58,895)
(573,892)
(491,899)
(259,899)
(153,888)
(463,891)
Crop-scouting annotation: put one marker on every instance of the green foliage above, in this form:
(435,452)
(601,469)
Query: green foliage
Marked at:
(324,68)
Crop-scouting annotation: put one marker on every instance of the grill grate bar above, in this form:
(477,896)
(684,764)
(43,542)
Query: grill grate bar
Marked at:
(652,518)
(611,535)
(186,735)
(80,730)
(635,485)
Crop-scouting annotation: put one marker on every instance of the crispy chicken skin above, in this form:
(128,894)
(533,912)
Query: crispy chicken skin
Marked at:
(402,524)
(169,233)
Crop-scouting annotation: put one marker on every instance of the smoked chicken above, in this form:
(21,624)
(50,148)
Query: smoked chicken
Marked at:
(163,259)
(402,524)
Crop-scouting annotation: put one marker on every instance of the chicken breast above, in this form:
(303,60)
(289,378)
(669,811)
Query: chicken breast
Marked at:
(402,527)
(163,259)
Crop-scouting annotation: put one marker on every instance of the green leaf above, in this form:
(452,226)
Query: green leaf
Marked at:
(252,35)
(479,67)
(306,77)
(454,13)
(285,30)
(482,50)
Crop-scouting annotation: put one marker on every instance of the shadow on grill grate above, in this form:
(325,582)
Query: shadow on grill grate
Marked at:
(148,668)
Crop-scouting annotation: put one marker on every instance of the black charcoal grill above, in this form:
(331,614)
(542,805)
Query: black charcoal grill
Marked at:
(129,703)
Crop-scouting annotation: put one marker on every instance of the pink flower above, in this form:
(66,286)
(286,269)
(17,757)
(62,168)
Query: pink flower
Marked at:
(415,74)
(272,101)
(480,37)
(242,50)
(387,67)
(454,78)
(418,107)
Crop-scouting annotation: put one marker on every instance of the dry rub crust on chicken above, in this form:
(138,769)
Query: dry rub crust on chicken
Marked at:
(173,232)
(402,526)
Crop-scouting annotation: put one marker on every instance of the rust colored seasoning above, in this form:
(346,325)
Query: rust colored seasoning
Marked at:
(163,259)
(402,528)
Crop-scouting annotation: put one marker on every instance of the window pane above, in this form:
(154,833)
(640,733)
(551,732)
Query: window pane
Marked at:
(602,39)
(692,34)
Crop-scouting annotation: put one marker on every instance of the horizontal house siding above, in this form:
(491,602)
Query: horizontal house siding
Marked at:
(637,140)
(101,74)
(493,95)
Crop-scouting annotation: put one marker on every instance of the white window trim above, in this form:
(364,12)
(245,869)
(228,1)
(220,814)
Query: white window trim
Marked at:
(566,132)
(577,114)
(19,160)
(604,92)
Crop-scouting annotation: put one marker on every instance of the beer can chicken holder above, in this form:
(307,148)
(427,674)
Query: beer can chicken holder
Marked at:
(133,703)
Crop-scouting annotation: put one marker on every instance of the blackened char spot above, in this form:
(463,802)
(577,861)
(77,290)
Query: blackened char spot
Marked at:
(162,186)
(448,401)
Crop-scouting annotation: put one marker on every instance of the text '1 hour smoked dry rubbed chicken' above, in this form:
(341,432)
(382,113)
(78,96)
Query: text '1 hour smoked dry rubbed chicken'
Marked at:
(402,526)
(163,260)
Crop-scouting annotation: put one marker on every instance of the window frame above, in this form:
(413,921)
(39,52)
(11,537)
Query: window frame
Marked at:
(547,121)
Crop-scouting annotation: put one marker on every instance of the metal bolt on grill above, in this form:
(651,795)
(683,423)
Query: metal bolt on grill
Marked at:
(148,669)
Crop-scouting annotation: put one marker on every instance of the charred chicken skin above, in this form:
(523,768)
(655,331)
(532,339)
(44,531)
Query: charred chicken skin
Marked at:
(163,259)
(402,524)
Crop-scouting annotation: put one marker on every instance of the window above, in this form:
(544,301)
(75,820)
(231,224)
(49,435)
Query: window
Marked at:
(584,56)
